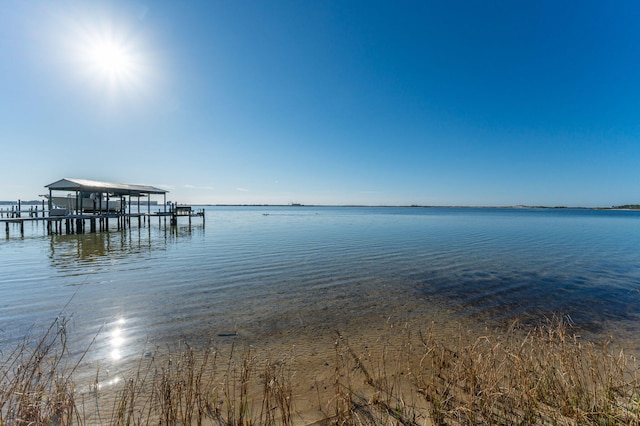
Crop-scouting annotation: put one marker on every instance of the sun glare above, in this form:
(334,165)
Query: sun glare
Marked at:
(111,59)
(107,52)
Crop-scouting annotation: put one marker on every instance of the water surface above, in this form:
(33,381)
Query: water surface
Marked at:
(260,272)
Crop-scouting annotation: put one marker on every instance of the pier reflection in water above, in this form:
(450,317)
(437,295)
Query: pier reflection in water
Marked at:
(81,254)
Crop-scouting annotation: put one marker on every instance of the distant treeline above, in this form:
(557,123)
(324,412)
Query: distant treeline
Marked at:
(628,206)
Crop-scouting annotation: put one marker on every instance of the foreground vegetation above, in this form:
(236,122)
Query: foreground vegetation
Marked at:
(535,375)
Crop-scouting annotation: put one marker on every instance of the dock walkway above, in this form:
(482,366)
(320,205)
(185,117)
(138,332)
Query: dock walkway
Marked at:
(96,222)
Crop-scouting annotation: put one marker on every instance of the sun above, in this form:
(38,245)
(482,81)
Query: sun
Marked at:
(111,60)
(114,58)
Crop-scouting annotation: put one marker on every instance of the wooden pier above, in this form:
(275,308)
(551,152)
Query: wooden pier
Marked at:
(89,223)
(100,205)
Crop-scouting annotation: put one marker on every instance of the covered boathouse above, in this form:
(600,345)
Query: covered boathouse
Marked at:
(96,196)
(91,199)
(98,202)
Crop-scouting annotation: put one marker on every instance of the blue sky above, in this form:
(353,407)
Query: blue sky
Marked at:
(326,102)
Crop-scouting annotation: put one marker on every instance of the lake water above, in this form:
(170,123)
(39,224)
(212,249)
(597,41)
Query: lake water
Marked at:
(257,273)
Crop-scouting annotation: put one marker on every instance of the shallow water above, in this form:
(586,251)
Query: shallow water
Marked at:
(263,272)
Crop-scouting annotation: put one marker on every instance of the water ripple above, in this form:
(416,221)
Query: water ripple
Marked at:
(249,273)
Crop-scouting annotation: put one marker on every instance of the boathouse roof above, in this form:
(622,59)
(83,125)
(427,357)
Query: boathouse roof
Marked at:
(86,185)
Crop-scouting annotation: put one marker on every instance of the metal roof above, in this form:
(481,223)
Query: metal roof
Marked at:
(86,185)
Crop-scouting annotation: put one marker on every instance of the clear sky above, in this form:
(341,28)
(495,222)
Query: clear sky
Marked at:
(325,102)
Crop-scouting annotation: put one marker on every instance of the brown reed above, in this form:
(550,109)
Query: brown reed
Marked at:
(523,375)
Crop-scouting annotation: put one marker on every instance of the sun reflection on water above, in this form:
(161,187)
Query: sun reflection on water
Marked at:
(117,340)
(98,386)
(111,357)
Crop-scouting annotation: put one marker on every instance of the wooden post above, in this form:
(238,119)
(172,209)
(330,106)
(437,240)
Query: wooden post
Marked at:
(22,228)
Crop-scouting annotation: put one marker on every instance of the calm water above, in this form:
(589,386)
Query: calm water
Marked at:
(257,272)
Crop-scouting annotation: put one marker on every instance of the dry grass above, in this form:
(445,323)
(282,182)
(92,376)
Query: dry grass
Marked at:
(535,375)
(546,376)
(34,388)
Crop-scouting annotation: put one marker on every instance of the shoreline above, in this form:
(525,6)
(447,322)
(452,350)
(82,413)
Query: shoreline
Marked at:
(408,372)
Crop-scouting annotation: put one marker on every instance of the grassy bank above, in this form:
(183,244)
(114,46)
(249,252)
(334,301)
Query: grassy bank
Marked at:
(411,375)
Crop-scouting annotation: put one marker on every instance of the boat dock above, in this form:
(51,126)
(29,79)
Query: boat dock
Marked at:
(94,206)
